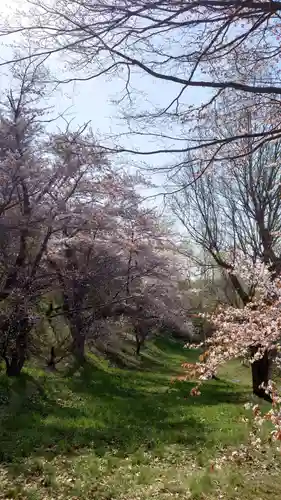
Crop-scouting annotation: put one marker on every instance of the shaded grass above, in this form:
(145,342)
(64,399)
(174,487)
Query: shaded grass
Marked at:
(99,432)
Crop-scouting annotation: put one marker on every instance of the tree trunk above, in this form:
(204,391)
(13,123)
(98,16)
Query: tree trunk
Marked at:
(139,344)
(140,338)
(78,345)
(52,360)
(260,374)
(14,366)
(17,330)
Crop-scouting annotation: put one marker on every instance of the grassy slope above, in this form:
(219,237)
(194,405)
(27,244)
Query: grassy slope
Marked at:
(109,434)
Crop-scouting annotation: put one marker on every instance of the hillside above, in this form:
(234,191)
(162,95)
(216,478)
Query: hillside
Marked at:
(110,434)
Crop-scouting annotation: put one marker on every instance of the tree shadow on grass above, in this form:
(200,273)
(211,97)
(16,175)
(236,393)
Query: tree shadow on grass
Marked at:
(102,411)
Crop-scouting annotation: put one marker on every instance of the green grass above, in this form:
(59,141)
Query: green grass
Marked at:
(110,434)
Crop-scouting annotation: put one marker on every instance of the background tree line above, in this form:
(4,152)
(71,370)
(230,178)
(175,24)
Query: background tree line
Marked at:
(78,246)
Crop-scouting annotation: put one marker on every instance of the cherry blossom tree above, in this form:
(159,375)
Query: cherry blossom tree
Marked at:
(252,331)
(118,266)
(74,230)
(25,182)
(233,213)
(47,183)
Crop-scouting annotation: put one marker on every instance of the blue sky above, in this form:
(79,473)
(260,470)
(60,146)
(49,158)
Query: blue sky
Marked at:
(91,102)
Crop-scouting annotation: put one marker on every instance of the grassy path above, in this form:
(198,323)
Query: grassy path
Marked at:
(110,434)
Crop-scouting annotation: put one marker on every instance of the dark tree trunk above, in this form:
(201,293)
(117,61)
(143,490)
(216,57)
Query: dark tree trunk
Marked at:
(140,338)
(75,320)
(141,329)
(138,347)
(260,375)
(17,331)
(52,360)
(14,366)
(78,345)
